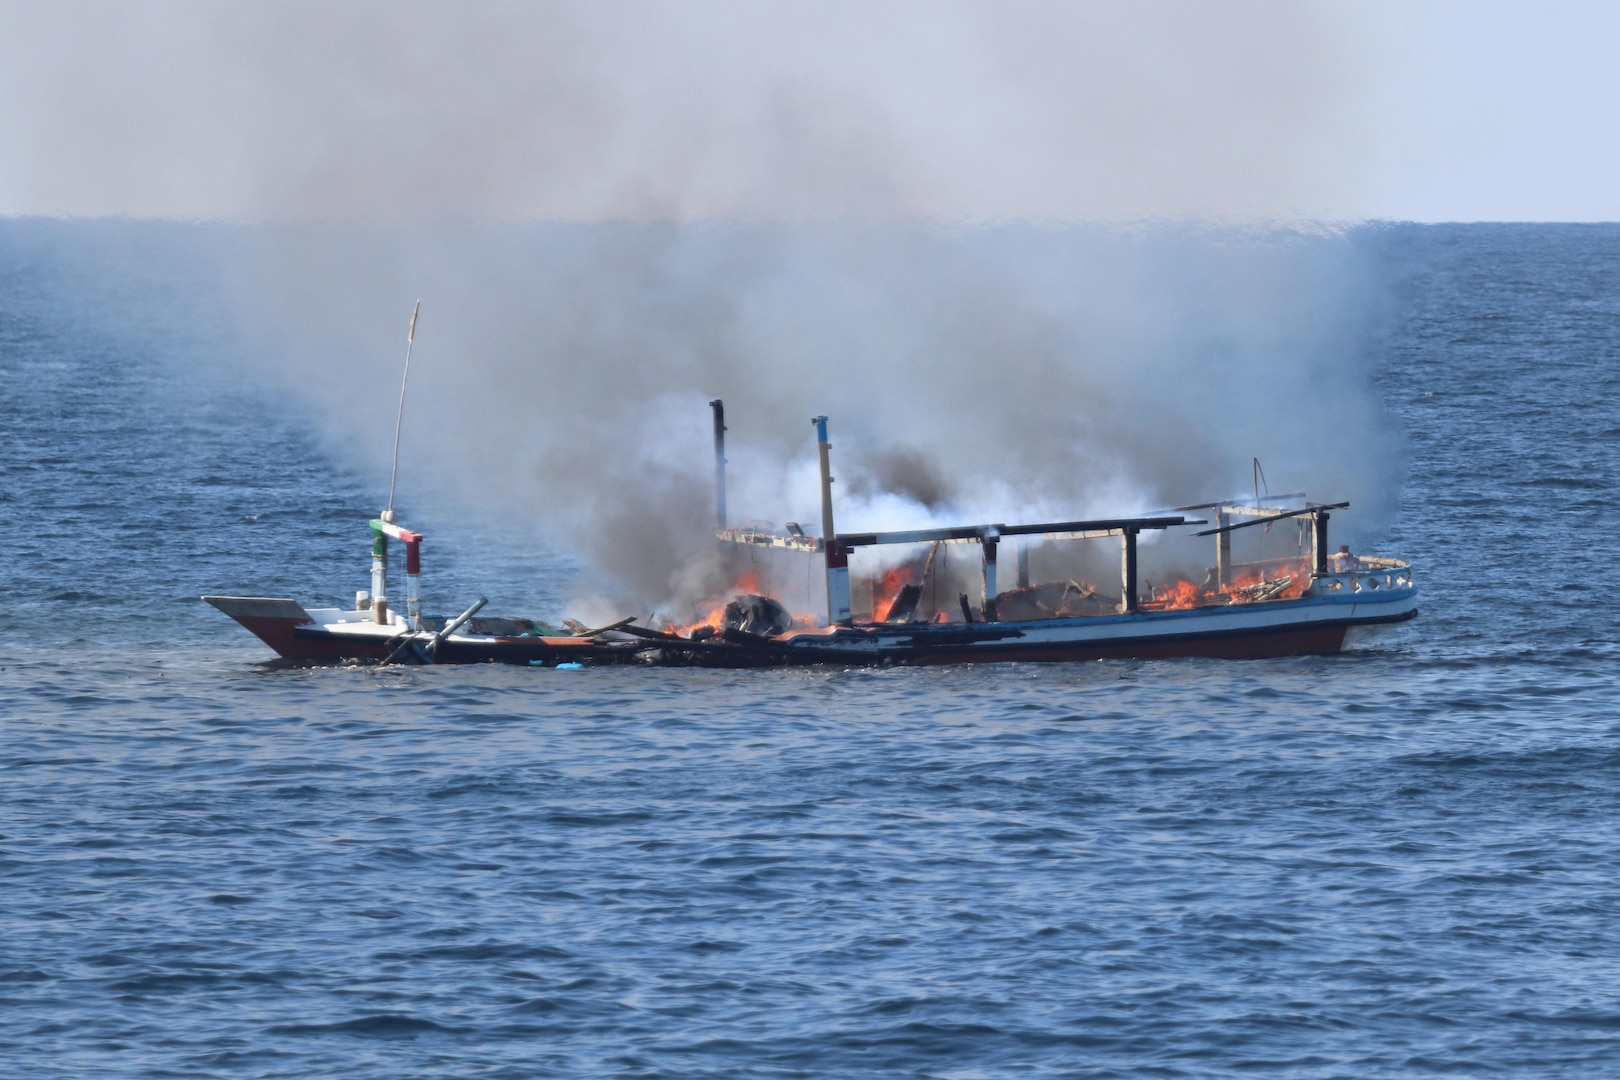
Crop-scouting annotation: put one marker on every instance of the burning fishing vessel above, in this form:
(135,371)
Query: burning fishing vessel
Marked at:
(1265,607)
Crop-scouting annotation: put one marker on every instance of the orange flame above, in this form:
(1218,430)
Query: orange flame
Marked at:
(1298,569)
(712,609)
(1183,595)
(886,590)
(1178,597)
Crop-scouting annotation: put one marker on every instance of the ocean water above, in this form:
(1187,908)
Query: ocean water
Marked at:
(1402,860)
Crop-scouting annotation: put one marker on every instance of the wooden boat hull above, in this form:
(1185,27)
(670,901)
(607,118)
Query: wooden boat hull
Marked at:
(1313,624)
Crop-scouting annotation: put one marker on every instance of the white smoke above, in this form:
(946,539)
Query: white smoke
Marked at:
(995,374)
(915,217)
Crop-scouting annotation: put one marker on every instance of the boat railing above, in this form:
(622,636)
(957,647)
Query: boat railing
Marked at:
(1375,574)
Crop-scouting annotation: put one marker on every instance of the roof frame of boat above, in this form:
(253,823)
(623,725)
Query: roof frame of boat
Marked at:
(1318,509)
(1256,506)
(961,534)
(835,547)
(964,534)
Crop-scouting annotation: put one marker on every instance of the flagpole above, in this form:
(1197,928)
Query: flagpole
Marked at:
(399,421)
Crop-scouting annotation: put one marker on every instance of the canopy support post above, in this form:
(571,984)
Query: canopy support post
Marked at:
(988,606)
(719,408)
(1319,541)
(837,558)
(1127,601)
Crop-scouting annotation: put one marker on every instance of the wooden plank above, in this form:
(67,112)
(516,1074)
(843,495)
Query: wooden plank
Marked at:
(963,534)
(1269,520)
(582,631)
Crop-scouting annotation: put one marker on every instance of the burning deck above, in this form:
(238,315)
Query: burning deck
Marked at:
(918,606)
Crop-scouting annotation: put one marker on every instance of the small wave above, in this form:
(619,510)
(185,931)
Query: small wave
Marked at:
(376,1025)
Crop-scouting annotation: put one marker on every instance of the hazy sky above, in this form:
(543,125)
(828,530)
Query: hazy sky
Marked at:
(1496,110)
(1425,110)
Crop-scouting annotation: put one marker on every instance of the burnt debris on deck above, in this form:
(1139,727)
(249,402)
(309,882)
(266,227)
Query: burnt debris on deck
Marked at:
(1066,597)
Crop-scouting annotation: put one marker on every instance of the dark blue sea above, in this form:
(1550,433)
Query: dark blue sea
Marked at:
(1403,860)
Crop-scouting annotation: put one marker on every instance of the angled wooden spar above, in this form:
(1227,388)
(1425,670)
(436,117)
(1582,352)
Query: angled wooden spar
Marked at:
(1256,507)
(1319,533)
(455,624)
(1278,516)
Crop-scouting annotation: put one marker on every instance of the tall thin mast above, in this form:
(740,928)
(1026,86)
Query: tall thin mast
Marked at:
(399,420)
(719,408)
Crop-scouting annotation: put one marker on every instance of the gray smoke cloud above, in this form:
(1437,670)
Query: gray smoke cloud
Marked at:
(1017,373)
(1037,260)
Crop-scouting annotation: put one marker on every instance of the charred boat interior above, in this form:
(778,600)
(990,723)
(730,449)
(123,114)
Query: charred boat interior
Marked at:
(953,575)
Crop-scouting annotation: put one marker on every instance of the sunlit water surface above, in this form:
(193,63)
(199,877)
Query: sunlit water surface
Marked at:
(1397,861)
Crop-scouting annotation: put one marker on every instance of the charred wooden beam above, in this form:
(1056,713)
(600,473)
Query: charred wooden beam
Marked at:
(1127,602)
(649,634)
(1273,517)
(1319,540)
(1233,505)
(979,533)
(905,604)
(579,629)
(1103,525)
(966,534)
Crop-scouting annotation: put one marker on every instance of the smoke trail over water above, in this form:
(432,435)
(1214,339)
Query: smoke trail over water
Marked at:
(614,212)
(999,374)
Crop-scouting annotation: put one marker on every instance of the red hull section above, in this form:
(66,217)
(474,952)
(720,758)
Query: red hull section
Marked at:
(275,622)
(278,634)
(296,636)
